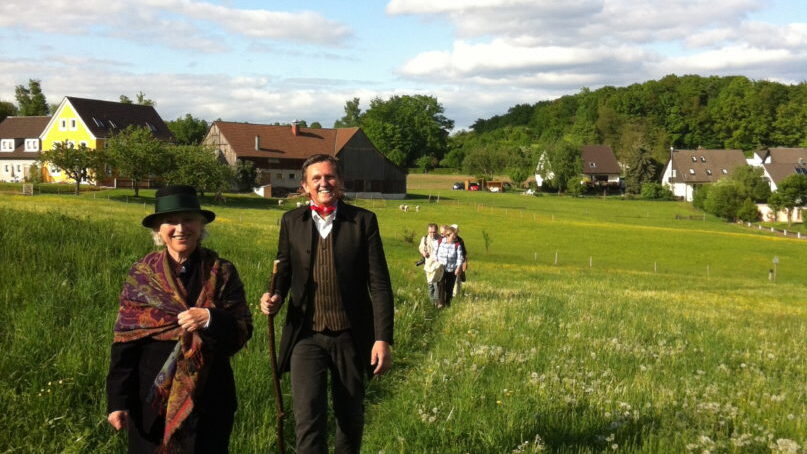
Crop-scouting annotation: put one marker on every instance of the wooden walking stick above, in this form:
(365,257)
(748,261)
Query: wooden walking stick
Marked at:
(275,372)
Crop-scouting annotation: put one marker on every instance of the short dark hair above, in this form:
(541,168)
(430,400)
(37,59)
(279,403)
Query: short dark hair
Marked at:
(317,158)
(432,224)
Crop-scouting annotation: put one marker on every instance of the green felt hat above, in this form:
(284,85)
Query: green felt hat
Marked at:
(175,199)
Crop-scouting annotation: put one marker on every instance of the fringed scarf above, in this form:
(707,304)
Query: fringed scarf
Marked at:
(150,301)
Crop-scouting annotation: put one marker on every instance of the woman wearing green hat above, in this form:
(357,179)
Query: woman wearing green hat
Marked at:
(182,314)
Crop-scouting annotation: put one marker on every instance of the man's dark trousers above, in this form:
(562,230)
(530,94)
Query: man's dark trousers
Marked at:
(314,355)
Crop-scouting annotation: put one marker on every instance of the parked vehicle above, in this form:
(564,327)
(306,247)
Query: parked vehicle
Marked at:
(473,187)
(458,187)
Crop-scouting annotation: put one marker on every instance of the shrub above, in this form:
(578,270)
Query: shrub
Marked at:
(748,211)
(699,199)
(656,191)
(724,199)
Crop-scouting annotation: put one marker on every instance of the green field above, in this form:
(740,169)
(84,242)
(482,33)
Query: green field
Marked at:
(655,331)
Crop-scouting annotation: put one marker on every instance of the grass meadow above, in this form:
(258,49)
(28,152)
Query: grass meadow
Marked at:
(586,325)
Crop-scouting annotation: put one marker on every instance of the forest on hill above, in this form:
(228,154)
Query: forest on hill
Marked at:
(684,112)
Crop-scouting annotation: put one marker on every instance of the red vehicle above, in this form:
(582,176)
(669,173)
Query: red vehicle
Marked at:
(473,187)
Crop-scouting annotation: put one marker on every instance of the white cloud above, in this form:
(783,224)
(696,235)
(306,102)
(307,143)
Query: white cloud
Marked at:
(524,46)
(183,24)
(503,62)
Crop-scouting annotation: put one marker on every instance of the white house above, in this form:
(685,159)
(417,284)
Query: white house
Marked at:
(20,146)
(780,163)
(688,169)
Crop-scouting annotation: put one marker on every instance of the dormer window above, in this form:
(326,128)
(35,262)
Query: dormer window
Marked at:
(31,144)
(151,127)
(98,122)
(692,171)
(592,164)
(7,145)
(694,159)
(725,172)
(112,124)
(703,158)
(708,171)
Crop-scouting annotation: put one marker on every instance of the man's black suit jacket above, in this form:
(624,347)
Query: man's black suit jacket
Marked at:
(361,268)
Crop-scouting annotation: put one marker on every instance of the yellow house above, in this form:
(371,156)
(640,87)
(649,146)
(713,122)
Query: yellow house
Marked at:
(90,122)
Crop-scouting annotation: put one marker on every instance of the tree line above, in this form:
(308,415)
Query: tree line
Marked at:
(135,153)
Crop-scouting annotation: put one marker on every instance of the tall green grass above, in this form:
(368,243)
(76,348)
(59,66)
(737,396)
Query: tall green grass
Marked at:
(637,350)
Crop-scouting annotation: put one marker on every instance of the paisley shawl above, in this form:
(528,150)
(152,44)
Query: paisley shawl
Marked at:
(150,301)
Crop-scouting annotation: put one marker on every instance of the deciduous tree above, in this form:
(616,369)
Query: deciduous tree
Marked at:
(188,130)
(200,167)
(135,153)
(30,100)
(78,163)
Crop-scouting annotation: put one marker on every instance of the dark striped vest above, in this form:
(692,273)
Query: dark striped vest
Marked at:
(329,313)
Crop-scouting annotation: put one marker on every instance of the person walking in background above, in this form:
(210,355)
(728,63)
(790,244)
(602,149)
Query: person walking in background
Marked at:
(339,320)
(464,267)
(433,268)
(450,255)
(182,315)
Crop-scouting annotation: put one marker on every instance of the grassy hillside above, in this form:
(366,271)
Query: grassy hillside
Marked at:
(650,334)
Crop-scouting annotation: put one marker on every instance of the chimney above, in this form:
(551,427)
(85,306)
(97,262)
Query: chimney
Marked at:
(257,143)
(295,128)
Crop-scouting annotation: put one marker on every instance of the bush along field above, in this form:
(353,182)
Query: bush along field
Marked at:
(586,325)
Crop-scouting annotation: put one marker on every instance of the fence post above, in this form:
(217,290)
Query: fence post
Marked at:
(556,257)
(590,262)
(655,267)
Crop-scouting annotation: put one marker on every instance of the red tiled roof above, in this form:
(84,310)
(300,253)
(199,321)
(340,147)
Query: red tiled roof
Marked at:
(279,141)
(104,118)
(602,157)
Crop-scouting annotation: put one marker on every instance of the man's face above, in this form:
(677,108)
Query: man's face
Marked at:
(322,183)
(432,232)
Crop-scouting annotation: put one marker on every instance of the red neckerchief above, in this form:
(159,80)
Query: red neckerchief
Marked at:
(323,210)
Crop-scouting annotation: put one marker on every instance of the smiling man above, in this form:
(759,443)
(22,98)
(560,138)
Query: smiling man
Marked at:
(339,319)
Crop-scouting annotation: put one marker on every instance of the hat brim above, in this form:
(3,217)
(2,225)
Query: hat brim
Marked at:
(148,221)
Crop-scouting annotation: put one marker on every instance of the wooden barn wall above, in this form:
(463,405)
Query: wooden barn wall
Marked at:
(364,169)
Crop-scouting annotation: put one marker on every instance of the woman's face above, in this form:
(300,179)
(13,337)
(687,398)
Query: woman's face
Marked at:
(181,232)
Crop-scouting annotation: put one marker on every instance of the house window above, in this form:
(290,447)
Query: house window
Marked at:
(6,168)
(31,144)
(692,171)
(112,124)
(703,158)
(72,124)
(279,176)
(725,172)
(592,164)
(674,173)
(7,145)
(63,125)
(708,171)
(19,168)
(291,176)
(98,122)
(151,127)
(70,144)
(53,170)
(694,159)
(83,142)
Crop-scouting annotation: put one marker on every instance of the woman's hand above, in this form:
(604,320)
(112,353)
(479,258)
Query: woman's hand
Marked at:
(119,419)
(193,319)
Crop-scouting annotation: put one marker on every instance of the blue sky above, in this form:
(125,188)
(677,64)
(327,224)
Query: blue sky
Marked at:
(281,60)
